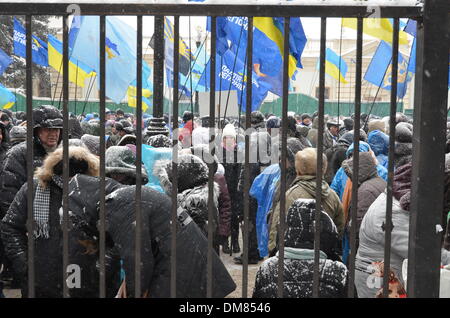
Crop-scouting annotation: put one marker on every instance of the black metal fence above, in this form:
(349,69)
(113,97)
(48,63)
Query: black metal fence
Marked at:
(429,127)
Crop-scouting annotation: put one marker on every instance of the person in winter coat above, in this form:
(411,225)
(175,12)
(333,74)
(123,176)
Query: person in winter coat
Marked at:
(47,127)
(371,233)
(224,202)
(293,146)
(370,186)
(231,158)
(192,188)
(48,235)
(299,258)
(259,158)
(379,143)
(185,136)
(338,152)
(155,268)
(340,179)
(293,131)
(304,187)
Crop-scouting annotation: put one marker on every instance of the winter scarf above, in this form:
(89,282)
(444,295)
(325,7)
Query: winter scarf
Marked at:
(41,208)
(301,253)
(402,185)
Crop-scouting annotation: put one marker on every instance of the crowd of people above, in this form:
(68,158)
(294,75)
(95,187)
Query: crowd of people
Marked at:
(198,158)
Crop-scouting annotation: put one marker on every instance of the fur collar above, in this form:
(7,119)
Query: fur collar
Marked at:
(45,172)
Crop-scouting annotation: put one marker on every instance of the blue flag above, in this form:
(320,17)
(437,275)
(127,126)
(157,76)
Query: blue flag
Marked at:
(411,27)
(5,60)
(267,45)
(39,47)
(7,99)
(120,52)
(381,63)
(237,80)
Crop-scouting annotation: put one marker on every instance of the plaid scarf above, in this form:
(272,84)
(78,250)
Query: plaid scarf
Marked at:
(41,208)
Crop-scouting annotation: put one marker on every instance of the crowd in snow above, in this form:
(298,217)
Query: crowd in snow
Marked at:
(204,152)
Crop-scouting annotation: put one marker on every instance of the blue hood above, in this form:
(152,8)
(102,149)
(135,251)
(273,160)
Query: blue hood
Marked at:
(363,147)
(379,142)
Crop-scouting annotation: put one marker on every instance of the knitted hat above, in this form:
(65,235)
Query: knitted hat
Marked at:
(159,141)
(92,143)
(192,172)
(229,131)
(120,160)
(293,146)
(306,162)
(376,125)
(300,233)
(18,133)
(273,122)
(403,132)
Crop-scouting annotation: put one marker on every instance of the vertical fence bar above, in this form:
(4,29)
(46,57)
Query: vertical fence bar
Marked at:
(355,180)
(212,103)
(247,167)
(430,112)
(176,63)
(102,156)
(65,202)
(388,226)
(319,174)
(283,157)
(137,277)
(30,155)
(158,68)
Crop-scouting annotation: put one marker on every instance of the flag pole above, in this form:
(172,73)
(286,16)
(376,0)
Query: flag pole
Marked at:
(234,67)
(376,95)
(91,85)
(76,87)
(190,68)
(339,78)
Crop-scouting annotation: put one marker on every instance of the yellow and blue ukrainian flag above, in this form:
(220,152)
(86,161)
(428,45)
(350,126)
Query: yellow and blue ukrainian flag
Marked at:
(78,71)
(379,28)
(335,66)
(147,89)
(7,99)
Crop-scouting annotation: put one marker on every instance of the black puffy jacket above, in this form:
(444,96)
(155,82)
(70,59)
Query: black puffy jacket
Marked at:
(14,171)
(156,240)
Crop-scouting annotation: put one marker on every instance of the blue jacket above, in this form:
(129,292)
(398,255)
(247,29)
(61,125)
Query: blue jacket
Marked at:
(263,189)
(379,143)
(340,179)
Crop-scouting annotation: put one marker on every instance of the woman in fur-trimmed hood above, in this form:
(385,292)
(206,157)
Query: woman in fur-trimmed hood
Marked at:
(192,187)
(48,235)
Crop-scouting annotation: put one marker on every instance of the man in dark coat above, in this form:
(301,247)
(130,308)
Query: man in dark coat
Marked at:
(259,159)
(47,128)
(48,235)
(299,258)
(156,240)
